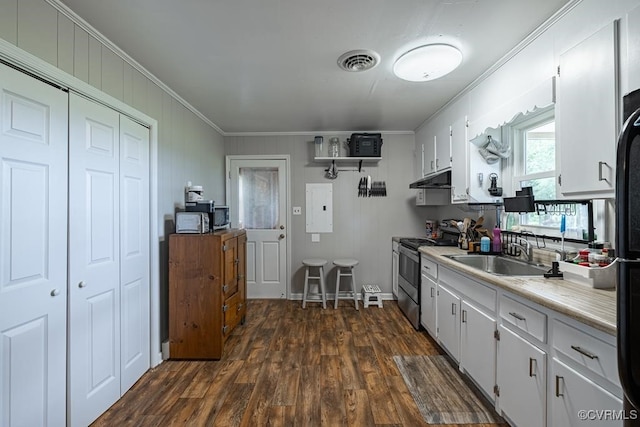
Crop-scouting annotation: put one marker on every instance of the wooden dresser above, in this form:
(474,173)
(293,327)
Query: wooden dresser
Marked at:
(207,291)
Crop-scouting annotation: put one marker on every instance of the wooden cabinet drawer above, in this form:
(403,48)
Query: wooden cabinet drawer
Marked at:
(232,313)
(429,268)
(524,318)
(588,351)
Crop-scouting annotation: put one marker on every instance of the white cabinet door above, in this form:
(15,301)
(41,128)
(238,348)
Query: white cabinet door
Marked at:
(94,259)
(459,161)
(428,307)
(134,251)
(448,315)
(394,269)
(586,114)
(443,148)
(577,401)
(522,380)
(33,250)
(478,346)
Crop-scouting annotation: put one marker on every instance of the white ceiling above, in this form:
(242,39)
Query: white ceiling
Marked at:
(270,65)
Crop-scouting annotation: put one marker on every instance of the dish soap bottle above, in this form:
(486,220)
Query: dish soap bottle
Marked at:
(496,245)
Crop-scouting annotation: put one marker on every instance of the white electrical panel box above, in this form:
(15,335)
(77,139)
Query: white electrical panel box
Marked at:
(319,208)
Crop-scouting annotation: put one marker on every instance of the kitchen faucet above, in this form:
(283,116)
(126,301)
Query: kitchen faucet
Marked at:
(525,246)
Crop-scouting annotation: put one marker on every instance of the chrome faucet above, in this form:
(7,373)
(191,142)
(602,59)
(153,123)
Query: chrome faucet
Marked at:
(525,247)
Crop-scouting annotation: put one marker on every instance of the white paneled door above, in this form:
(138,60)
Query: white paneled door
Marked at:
(33,251)
(259,197)
(134,251)
(108,257)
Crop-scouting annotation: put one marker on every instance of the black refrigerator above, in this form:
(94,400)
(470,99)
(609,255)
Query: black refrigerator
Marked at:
(628,251)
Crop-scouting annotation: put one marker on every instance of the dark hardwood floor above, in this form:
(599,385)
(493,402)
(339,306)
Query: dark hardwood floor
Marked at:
(288,366)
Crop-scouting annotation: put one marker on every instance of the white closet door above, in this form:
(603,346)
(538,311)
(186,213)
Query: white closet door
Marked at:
(33,251)
(94,259)
(134,251)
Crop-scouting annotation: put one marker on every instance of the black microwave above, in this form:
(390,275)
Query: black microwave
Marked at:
(220,217)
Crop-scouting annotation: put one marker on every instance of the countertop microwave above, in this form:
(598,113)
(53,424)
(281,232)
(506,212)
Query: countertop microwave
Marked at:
(192,222)
(220,217)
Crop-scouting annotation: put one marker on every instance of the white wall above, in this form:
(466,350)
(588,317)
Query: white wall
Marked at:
(363,227)
(188,148)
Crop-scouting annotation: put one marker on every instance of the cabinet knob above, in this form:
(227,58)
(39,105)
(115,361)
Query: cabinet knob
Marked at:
(281,236)
(225,288)
(282,227)
(82,284)
(55,292)
(211,277)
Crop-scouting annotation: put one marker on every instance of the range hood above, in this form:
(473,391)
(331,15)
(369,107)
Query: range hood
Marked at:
(440,179)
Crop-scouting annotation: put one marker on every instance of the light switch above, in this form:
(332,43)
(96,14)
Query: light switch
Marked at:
(315,237)
(297,210)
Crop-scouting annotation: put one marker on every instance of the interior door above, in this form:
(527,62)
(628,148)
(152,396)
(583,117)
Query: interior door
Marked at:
(134,251)
(259,202)
(94,259)
(33,251)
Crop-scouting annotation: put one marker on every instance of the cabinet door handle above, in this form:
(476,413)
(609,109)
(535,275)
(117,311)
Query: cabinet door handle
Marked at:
(225,328)
(225,288)
(225,308)
(517,316)
(432,165)
(464,316)
(432,292)
(584,352)
(600,177)
(558,378)
(453,308)
(239,307)
(437,163)
(532,362)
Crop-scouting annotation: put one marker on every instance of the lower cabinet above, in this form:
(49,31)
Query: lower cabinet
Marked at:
(449,321)
(478,346)
(428,291)
(578,401)
(522,380)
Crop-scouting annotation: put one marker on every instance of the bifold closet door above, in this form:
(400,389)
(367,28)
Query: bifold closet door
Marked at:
(94,259)
(33,251)
(109,326)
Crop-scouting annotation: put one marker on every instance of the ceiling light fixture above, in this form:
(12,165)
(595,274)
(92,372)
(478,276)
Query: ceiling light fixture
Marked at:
(427,62)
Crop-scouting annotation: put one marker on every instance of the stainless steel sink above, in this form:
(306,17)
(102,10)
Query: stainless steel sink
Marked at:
(499,265)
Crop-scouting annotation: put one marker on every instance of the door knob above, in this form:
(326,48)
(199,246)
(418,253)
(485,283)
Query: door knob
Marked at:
(82,284)
(282,227)
(281,236)
(55,292)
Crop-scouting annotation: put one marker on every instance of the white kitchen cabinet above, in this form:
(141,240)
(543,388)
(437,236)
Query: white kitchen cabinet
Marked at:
(586,115)
(521,380)
(572,393)
(448,315)
(459,161)
(428,298)
(442,155)
(394,267)
(478,346)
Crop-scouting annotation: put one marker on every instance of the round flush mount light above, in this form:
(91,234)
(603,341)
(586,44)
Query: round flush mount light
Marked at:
(427,62)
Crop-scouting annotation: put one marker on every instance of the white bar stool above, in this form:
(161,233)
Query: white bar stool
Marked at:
(346,263)
(321,295)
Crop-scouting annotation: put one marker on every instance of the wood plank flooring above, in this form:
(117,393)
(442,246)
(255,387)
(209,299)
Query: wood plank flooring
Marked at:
(288,367)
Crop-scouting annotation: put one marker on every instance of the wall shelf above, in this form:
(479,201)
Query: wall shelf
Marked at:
(358,160)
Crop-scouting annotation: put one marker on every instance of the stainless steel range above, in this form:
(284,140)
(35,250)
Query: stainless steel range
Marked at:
(409,275)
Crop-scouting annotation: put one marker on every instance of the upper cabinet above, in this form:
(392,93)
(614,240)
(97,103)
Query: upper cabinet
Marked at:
(459,161)
(586,115)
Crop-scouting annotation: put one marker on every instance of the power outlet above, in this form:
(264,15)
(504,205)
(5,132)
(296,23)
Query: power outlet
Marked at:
(297,210)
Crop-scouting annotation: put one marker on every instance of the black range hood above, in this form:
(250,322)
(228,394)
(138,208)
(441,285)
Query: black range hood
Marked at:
(440,179)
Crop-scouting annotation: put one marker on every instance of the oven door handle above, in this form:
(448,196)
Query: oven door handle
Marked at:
(413,255)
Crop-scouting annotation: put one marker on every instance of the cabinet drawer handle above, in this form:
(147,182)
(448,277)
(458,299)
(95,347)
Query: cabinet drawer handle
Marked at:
(432,292)
(584,352)
(558,378)
(517,316)
(464,316)
(532,362)
(453,308)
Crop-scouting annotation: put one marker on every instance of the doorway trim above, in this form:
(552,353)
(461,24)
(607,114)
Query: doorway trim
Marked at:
(287,161)
(40,69)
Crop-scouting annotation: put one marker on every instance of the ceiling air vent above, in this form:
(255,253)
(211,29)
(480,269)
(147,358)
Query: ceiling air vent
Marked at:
(358,60)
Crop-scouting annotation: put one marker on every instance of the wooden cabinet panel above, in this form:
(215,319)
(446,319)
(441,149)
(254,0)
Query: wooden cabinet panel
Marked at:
(206,292)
